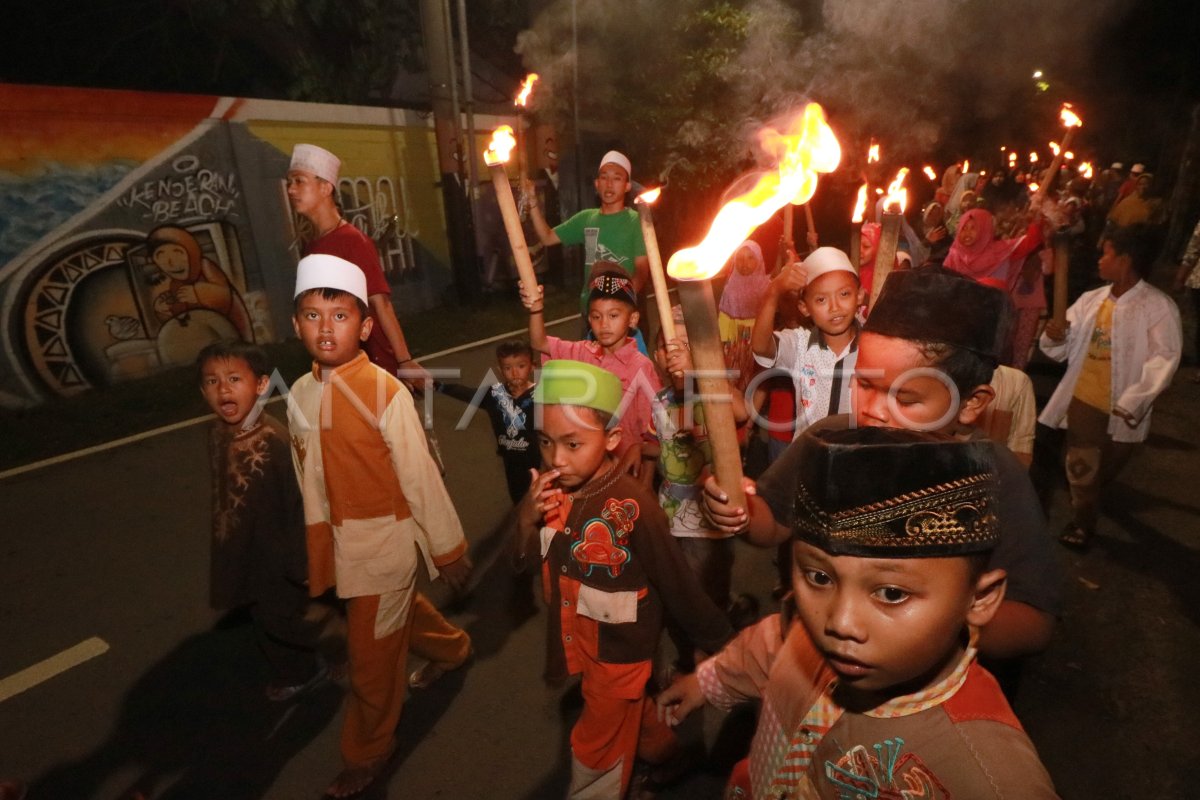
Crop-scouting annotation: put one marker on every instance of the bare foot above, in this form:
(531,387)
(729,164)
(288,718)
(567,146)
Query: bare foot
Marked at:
(353,781)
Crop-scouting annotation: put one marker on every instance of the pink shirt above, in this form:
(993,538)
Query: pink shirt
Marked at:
(637,374)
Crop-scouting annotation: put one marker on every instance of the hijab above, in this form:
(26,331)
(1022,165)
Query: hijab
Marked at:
(743,294)
(986,255)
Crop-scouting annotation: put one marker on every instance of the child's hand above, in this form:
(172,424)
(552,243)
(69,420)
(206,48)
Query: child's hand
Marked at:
(456,573)
(542,497)
(679,699)
(679,358)
(792,278)
(631,460)
(532,303)
(1057,332)
(725,516)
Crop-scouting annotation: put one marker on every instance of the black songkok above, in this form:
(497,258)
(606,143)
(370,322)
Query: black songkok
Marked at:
(891,493)
(935,304)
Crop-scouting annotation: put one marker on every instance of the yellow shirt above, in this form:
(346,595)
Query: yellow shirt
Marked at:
(1094,386)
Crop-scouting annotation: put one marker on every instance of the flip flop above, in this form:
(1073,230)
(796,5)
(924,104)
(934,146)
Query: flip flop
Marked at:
(1075,537)
(431,673)
(353,781)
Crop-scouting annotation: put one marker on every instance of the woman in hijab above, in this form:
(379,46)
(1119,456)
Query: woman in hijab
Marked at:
(740,300)
(978,254)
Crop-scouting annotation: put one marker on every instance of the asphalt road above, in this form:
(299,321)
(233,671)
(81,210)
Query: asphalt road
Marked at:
(114,546)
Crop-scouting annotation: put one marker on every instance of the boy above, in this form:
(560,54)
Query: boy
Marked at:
(509,406)
(373,498)
(1122,344)
(875,691)
(611,232)
(820,360)
(684,453)
(610,569)
(257,556)
(312,180)
(612,311)
(925,359)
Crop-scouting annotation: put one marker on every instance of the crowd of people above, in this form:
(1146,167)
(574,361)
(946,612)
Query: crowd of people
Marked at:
(916,570)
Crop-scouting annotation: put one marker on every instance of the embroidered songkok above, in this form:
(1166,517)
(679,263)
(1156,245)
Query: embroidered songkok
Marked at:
(890,493)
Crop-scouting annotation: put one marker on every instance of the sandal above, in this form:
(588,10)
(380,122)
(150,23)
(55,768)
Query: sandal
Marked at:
(1075,537)
(353,781)
(280,694)
(432,672)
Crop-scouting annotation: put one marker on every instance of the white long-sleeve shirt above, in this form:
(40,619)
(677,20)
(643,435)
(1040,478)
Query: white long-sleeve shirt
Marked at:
(1147,340)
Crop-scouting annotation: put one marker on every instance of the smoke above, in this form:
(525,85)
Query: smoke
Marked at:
(685,82)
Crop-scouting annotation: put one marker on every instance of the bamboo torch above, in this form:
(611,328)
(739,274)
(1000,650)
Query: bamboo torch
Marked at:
(807,147)
(1071,121)
(657,275)
(889,236)
(498,153)
(860,208)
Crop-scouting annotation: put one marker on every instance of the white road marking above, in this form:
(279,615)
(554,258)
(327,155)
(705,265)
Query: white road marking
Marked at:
(187,423)
(54,665)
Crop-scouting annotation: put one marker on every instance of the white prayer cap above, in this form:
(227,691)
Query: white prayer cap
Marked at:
(317,160)
(1137,169)
(320,271)
(826,259)
(1117,165)
(613,157)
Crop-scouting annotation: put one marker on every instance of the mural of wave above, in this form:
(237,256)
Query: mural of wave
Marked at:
(32,206)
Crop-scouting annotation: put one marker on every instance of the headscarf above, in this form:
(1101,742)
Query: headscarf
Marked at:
(987,254)
(743,294)
(170,234)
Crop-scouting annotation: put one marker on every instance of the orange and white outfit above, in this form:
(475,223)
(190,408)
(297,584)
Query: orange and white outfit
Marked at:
(373,501)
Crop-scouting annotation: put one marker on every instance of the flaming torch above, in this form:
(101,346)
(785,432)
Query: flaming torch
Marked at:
(657,276)
(860,208)
(889,232)
(873,152)
(1071,122)
(522,103)
(806,148)
(1086,170)
(498,153)
(929,172)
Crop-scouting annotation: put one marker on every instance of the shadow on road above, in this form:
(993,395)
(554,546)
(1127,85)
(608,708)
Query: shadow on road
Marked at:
(198,725)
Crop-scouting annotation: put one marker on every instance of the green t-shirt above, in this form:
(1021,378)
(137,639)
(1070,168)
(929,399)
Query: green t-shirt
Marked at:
(605,237)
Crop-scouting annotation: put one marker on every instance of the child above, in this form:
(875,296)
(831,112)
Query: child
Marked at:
(373,498)
(610,570)
(820,360)
(612,311)
(925,359)
(684,454)
(257,554)
(509,406)
(741,298)
(1122,344)
(874,691)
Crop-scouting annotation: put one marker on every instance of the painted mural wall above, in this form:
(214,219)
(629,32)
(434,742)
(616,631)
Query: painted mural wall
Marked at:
(135,228)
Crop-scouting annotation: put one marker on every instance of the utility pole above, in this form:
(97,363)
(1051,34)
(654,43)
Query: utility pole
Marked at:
(438,55)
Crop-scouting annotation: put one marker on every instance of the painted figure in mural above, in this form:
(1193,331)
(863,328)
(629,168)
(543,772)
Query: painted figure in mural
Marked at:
(311,189)
(193,281)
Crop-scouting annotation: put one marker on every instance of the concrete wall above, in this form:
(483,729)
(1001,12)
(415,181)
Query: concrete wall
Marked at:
(99,188)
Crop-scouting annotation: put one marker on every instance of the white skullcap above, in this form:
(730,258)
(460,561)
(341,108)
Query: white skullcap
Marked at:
(613,157)
(1117,165)
(317,160)
(320,271)
(1136,168)
(826,259)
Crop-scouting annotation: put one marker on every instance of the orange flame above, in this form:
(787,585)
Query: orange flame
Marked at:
(526,90)
(649,196)
(966,166)
(1069,155)
(1085,169)
(1033,157)
(860,205)
(1069,118)
(873,152)
(1003,147)
(500,148)
(1012,159)
(929,173)
(1054,148)
(1033,187)
(806,148)
(896,193)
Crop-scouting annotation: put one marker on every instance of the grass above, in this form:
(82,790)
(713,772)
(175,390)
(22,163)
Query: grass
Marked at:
(64,424)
